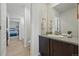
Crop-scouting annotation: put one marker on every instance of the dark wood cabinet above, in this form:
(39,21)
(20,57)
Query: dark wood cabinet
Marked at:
(63,48)
(56,48)
(44,46)
(52,47)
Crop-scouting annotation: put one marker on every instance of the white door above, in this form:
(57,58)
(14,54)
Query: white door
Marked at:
(3,29)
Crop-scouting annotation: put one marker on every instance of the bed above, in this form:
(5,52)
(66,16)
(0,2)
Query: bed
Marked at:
(13,32)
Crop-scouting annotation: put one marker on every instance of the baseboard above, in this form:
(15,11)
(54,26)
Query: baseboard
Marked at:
(39,54)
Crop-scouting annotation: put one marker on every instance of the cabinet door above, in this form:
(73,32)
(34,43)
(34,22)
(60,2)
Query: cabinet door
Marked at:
(51,47)
(44,46)
(67,49)
(59,48)
(56,48)
(75,53)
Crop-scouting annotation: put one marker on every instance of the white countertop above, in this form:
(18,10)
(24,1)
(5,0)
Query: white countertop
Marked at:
(73,40)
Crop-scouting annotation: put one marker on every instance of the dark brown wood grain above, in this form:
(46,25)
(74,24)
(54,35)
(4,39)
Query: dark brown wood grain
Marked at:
(52,47)
(44,46)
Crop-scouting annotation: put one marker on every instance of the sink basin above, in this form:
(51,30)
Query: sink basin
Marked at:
(57,36)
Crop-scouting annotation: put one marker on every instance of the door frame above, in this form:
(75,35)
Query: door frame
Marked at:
(3,29)
(20,29)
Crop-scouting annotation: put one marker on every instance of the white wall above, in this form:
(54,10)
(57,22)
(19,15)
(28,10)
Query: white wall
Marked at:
(3,30)
(36,28)
(15,11)
(78,36)
(0,25)
(27,23)
(21,28)
(14,24)
(69,22)
(0,14)
(78,30)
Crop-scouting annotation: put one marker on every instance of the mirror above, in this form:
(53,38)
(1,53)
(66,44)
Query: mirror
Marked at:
(63,18)
(59,19)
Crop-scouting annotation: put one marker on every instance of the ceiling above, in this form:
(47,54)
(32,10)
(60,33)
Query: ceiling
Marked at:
(64,6)
(18,5)
(17,9)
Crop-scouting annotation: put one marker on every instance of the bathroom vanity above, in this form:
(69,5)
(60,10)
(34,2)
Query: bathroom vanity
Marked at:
(57,46)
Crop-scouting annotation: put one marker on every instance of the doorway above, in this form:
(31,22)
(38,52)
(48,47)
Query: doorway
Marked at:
(16,34)
(14,10)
